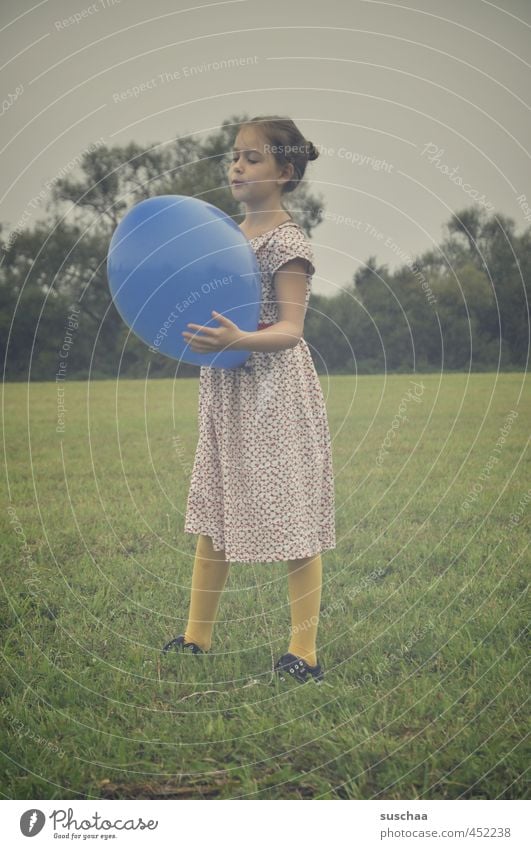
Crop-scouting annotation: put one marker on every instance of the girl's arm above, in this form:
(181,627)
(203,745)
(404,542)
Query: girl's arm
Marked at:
(290,285)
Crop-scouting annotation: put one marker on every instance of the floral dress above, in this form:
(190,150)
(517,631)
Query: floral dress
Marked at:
(262,483)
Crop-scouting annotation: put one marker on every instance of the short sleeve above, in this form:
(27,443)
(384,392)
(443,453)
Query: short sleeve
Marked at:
(290,243)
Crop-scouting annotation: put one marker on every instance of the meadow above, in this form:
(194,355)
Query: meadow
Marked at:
(423,627)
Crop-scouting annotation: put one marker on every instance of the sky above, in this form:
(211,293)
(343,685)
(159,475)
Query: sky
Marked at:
(418,109)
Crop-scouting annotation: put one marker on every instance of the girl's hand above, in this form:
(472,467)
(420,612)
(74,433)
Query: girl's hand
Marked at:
(213,339)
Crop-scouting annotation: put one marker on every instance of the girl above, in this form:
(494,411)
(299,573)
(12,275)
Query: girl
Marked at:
(262,486)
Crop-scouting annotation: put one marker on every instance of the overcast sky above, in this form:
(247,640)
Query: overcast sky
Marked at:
(418,108)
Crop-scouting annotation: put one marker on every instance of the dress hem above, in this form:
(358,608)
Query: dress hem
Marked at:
(234,559)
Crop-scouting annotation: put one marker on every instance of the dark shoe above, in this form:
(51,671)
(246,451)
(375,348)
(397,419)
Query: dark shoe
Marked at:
(179,644)
(290,664)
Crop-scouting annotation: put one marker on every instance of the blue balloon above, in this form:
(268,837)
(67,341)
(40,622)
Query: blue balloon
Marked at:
(172,260)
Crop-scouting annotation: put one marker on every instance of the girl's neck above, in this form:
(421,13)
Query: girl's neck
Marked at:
(258,221)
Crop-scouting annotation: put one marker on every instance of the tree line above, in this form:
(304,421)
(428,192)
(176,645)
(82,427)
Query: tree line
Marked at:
(463,305)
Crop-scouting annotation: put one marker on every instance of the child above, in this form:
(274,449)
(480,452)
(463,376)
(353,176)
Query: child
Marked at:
(262,486)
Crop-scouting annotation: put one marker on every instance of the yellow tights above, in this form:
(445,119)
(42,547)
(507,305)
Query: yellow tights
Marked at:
(304,586)
(208,581)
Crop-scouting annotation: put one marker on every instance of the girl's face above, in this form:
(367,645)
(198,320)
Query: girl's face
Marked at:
(255,176)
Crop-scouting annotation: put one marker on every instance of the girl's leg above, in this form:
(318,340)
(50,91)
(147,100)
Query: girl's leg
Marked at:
(208,580)
(304,585)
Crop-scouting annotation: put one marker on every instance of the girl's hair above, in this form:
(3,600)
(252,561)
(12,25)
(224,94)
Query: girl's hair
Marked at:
(287,145)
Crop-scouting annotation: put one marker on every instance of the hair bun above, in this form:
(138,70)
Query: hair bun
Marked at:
(313,153)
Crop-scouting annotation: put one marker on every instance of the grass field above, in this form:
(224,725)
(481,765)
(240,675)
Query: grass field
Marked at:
(423,621)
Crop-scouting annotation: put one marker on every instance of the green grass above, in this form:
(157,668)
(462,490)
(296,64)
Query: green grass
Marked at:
(423,624)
